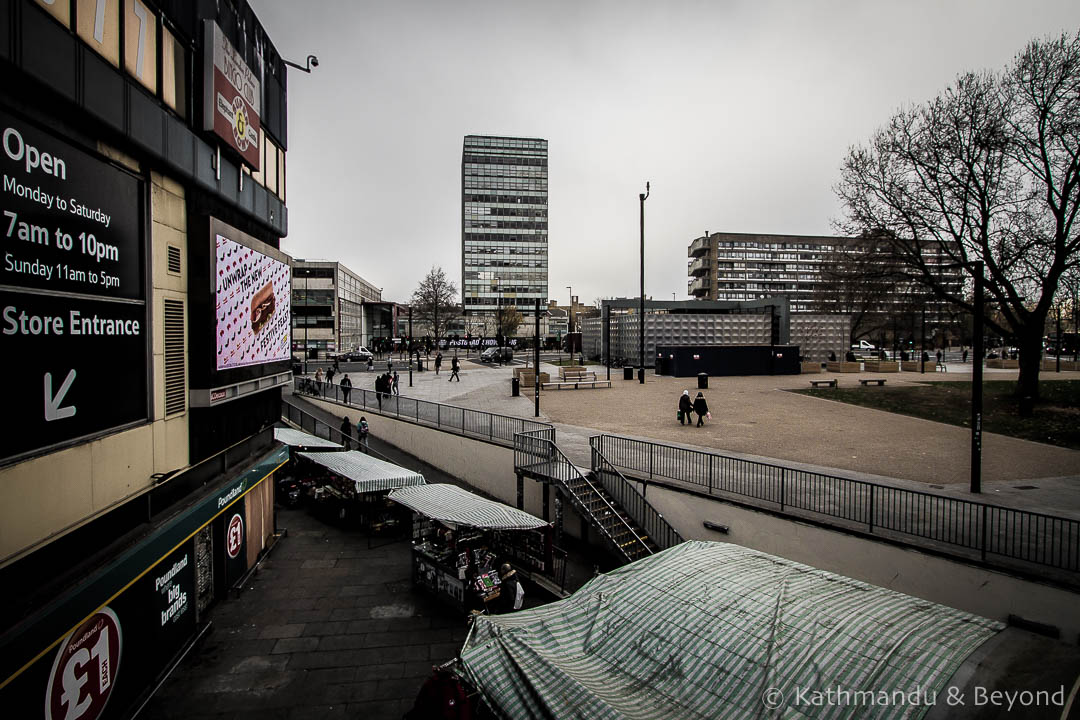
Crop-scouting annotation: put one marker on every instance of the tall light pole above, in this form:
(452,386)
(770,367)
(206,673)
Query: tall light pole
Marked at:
(642,197)
(410,344)
(570,315)
(976,382)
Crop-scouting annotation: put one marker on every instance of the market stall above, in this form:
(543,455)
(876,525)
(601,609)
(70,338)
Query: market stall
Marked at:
(293,487)
(699,629)
(353,486)
(460,540)
(300,440)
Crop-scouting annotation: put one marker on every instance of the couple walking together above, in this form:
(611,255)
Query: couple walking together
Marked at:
(698,405)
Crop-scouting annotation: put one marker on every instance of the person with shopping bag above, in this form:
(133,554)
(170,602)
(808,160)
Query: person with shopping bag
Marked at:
(701,408)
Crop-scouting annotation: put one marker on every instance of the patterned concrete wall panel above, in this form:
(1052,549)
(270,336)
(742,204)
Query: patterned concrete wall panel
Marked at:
(818,335)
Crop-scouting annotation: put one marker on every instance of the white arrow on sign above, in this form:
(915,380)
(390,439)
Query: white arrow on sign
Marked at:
(53,411)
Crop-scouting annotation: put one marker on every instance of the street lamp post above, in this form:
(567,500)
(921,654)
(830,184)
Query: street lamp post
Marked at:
(570,315)
(536,362)
(409,350)
(642,197)
(976,383)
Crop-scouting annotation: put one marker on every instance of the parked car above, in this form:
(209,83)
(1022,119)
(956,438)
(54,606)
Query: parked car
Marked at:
(497,354)
(360,354)
(863,345)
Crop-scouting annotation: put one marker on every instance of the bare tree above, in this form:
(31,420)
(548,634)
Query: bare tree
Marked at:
(507,320)
(434,302)
(989,171)
(858,279)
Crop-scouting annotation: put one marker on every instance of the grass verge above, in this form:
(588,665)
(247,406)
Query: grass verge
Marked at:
(1056,419)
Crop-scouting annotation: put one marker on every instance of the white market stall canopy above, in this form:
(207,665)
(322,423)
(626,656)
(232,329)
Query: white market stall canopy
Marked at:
(369,474)
(453,506)
(299,438)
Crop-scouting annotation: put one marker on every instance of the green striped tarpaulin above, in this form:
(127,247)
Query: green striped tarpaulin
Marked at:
(370,474)
(713,630)
(452,505)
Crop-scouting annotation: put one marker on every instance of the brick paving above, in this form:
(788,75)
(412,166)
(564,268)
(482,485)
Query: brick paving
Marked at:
(327,628)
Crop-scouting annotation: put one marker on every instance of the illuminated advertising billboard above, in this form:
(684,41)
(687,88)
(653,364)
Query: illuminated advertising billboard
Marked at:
(253,302)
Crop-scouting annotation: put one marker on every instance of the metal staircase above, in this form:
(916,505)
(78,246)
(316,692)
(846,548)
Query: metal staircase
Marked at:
(536,456)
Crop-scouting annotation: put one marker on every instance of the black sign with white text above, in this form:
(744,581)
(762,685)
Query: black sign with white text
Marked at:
(68,222)
(70,225)
(77,366)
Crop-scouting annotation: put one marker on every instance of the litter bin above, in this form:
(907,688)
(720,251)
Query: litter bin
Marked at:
(703,381)
(628,373)
(420,364)
(515,387)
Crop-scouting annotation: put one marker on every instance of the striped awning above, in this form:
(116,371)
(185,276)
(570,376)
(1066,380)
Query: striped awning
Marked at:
(299,438)
(453,506)
(704,630)
(369,474)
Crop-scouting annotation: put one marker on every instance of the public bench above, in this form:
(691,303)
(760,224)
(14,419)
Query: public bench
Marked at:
(567,374)
(877,381)
(575,384)
(826,383)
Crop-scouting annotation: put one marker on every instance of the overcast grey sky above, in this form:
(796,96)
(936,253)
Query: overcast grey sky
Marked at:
(738,113)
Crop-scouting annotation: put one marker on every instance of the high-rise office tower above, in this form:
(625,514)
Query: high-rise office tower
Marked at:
(504,228)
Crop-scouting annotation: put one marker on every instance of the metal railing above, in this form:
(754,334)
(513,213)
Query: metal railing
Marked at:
(541,456)
(492,427)
(648,518)
(311,424)
(988,531)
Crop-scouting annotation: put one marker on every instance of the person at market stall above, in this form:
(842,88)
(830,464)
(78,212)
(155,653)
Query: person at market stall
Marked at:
(511,594)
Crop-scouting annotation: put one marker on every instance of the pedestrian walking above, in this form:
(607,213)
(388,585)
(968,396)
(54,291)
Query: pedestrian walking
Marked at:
(397,384)
(346,432)
(939,356)
(380,385)
(346,388)
(455,366)
(965,354)
(686,406)
(389,365)
(362,432)
(318,381)
(702,409)
(330,372)
(438,362)
(370,363)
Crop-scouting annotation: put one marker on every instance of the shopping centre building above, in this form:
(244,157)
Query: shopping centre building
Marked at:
(146,312)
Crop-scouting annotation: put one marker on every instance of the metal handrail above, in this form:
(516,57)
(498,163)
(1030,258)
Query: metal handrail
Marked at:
(493,427)
(988,529)
(553,454)
(296,416)
(663,533)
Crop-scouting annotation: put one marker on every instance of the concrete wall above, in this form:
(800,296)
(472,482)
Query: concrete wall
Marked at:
(956,584)
(483,465)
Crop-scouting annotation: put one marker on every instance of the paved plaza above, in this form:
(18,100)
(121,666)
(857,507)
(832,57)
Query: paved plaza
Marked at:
(755,418)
